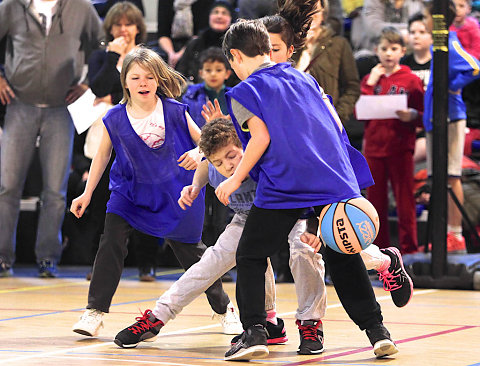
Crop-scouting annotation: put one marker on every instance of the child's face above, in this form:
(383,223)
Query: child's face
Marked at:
(226,159)
(141,84)
(462,9)
(420,38)
(219,19)
(280,52)
(124,28)
(214,74)
(389,54)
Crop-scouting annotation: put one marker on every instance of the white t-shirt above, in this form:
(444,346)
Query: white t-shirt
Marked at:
(46,8)
(151,129)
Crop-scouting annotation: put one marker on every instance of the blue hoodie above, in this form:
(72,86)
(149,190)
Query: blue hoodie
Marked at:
(463,68)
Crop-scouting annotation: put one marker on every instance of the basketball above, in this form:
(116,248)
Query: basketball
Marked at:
(349,226)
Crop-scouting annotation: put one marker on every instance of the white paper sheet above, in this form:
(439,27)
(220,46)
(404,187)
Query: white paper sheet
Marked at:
(84,113)
(380,106)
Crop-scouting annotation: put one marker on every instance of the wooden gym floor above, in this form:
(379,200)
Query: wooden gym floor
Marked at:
(438,327)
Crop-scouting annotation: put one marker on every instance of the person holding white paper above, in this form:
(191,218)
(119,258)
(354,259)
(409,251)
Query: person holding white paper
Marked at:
(389,144)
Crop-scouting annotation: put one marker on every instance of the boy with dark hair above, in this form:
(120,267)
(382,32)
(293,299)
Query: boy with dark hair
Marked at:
(420,40)
(463,68)
(214,70)
(389,143)
(279,114)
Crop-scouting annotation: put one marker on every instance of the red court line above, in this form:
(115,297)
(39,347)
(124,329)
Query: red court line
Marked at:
(360,350)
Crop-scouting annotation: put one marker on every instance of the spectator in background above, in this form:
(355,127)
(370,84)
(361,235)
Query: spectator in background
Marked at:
(103,6)
(389,143)
(420,40)
(219,21)
(178,21)
(43,67)
(329,59)
(254,9)
(467,28)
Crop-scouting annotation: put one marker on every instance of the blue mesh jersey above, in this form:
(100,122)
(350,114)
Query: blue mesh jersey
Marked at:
(308,162)
(146,182)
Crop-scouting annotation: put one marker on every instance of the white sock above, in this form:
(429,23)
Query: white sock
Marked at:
(455,230)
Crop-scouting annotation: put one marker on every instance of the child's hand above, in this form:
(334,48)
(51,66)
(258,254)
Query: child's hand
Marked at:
(79,205)
(187,196)
(211,112)
(190,159)
(226,188)
(6,93)
(311,240)
(407,115)
(375,74)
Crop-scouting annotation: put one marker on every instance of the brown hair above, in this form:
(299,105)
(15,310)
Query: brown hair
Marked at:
(292,21)
(216,134)
(249,36)
(128,10)
(391,35)
(170,82)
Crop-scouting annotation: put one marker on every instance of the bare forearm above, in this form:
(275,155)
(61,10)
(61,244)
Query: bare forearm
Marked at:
(200,178)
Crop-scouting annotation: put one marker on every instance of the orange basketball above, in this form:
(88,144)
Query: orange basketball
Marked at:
(349,226)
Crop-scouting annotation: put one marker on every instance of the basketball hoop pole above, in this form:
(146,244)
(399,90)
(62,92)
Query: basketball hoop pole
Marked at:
(438,212)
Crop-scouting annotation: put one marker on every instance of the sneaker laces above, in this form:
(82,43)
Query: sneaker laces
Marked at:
(390,281)
(309,331)
(143,323)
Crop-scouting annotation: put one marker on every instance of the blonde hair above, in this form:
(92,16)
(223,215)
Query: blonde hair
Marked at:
(170,82)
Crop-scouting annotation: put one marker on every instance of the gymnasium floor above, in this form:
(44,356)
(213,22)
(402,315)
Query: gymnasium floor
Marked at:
(438,327)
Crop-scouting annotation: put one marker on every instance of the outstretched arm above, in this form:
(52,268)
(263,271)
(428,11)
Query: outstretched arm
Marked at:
(99,163)
(259,141)
(190,193)
(191,158)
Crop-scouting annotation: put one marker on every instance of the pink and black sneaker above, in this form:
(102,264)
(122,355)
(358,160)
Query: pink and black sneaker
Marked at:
(395,279)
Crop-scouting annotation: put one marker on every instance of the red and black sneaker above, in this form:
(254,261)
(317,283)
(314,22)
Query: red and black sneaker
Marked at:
(276,334)
(146,327)
(311,337)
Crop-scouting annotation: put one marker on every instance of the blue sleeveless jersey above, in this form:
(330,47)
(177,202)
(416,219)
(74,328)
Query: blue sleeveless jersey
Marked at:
(308,161)
(146,182)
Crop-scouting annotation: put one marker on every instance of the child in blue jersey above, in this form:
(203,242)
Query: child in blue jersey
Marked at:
(154,140)
(221,146)
(300,158)
(463,68)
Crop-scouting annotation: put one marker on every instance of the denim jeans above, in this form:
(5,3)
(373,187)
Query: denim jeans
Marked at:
(23,123)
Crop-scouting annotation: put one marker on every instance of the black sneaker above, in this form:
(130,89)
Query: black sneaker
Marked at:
(146,274)
(47,269)
(395,279)
(276,334)
(380,339)
(5,269)
(311,337)
(146,327)
(252,344)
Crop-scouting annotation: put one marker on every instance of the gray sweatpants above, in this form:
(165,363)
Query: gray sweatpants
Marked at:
(307,268)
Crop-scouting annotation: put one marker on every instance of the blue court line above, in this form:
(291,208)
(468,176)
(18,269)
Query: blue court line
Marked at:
(68,311)
(475,364)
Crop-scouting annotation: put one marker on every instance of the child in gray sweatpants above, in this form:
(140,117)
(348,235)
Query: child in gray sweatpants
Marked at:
(221,146)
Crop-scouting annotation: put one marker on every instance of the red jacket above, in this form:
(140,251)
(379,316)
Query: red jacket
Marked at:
(387,137)
(469,36)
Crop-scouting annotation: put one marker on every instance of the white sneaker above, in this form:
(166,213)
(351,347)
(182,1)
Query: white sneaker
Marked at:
(230,321)
(90,323)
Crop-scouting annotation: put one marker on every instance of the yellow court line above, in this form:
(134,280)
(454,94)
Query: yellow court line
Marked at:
(75,283)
